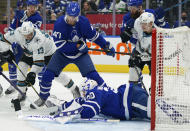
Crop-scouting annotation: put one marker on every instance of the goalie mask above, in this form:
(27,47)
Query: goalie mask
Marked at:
(87,85)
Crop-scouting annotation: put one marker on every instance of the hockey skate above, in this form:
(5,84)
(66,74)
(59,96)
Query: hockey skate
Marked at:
(20,98)
(76,92)
(10,90)
(39,102)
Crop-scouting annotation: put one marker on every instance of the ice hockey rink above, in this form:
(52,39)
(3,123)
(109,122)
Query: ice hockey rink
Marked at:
(10,122)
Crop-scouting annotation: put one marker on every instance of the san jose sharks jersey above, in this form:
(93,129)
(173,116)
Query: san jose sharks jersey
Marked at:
(38,47)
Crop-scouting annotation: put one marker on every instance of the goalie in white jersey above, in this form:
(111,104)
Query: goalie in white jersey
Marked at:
(142,51)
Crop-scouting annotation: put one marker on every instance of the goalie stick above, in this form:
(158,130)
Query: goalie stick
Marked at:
(67,117)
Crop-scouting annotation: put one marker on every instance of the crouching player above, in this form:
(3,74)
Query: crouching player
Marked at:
(125,103)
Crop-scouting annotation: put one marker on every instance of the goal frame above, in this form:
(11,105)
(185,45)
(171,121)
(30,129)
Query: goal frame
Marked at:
(158,71)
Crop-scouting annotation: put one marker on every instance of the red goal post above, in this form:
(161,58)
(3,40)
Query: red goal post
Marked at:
(170,79)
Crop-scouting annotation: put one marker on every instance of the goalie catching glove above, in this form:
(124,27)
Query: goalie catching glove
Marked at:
(30,79)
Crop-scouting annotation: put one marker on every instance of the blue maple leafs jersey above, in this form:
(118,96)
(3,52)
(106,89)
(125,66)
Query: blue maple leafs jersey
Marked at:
(67,36)
(103,100)
(124,103)
(21,16)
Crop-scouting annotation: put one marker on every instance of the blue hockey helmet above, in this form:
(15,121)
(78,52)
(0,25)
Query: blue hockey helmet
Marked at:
(134,2)
(32,2)
(73,9)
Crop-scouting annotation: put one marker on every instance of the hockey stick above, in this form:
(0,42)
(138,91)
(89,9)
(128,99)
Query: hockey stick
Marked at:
(29,82)
(137,70)
(80,120)
(17,89)
(70,120)
(123,53)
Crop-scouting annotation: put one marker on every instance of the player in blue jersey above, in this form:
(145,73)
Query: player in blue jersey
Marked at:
(70,34)
(32,15)
(124,103)
(129,33)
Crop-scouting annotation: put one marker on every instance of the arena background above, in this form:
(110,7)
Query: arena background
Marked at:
(110,22)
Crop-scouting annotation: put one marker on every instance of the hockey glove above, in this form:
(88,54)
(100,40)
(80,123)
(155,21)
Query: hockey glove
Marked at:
(134,61)
(109,49)
(8,56)
(126,35)
(30,79)
(82,46)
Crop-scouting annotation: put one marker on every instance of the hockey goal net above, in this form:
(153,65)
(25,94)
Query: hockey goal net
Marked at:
(170,84)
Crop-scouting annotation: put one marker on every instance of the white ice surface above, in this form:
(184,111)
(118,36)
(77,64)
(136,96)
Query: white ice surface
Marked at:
(10,122)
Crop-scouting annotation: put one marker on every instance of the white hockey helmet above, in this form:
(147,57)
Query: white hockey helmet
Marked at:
(87,85)
(27,28)
(146,17)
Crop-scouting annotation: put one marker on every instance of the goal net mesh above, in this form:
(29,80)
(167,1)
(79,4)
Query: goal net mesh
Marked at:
(170,88)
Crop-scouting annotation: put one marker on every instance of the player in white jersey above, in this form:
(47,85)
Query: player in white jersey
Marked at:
(143,26)
(38,48)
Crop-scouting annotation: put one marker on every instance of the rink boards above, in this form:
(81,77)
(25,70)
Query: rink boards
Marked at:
(104,63)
